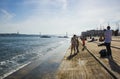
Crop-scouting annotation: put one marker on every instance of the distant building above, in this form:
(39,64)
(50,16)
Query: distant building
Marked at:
(93,33)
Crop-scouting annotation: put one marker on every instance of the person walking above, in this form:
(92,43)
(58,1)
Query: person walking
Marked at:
(83,43)
(77,44)
(108,38)
(74,44)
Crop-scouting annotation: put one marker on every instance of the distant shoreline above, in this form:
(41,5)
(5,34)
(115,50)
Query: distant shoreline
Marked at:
(29,35)
(18,35)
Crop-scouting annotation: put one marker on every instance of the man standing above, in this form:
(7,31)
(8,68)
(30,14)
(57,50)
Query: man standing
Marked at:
(108,38)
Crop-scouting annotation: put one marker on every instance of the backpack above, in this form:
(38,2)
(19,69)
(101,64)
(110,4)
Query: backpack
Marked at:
(103,53)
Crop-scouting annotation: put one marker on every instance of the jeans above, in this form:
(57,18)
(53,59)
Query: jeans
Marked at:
(108,49)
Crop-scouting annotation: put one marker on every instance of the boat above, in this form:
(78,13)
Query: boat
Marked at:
(66,36)
(45,36)
(62,36)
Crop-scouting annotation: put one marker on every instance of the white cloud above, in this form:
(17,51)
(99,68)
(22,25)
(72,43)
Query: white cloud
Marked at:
(98,11)
(6,15)
(83,16)
(48,4)
(64,4)
(58,3)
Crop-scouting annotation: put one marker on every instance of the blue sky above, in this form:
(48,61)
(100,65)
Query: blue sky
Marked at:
(57,16)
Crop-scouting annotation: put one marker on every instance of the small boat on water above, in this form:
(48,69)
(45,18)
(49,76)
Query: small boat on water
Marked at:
(62,36)
(66,36)
(45,36)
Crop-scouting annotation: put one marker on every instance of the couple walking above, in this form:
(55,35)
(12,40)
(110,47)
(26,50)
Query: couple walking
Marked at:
(74,44)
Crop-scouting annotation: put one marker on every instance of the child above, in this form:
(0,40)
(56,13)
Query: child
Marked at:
(83,43)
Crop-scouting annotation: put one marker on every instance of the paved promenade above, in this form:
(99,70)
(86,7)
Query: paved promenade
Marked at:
(86,64)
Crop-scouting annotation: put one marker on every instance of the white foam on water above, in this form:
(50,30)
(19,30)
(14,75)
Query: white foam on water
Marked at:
(37,51)
(9,73)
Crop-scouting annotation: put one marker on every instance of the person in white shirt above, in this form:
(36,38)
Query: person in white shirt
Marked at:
(108,38)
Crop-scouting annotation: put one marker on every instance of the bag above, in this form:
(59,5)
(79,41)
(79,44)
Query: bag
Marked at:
(103,53)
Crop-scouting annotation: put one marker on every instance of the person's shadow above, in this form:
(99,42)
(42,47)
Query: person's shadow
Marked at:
(114,66)
(71,56)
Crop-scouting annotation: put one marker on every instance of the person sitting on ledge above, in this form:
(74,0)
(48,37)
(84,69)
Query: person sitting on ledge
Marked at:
(101,39)
(93,39)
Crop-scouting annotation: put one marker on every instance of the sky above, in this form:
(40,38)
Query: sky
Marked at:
(57,16)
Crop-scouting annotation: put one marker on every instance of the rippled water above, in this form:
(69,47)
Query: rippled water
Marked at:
(17,51)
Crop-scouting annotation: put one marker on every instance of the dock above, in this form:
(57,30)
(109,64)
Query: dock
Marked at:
(87,64)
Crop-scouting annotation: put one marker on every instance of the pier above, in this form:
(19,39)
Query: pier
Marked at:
(86,64)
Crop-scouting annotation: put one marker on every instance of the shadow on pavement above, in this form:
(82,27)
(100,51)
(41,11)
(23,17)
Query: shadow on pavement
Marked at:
(114,66)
